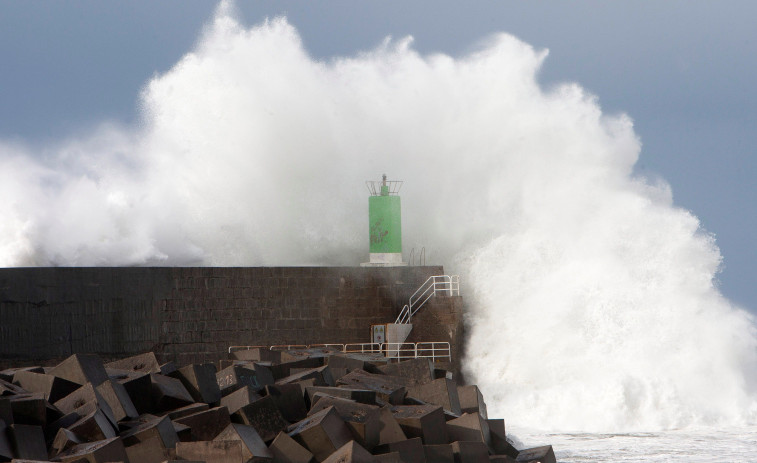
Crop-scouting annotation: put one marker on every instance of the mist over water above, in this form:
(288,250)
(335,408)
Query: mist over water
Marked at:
(593,303)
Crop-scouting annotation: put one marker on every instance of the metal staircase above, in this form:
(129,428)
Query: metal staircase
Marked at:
(447,285)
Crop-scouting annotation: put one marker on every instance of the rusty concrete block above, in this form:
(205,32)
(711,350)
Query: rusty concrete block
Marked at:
(363,421)
(365,396)
(139,388)
(419,371)
(322,433)
(470,452)
(257,355)
(253,447)
(93,426)
(158,428)
(81,369)
(321,376)
(439,453)
(142,363)
(424,421)
(289,400)
(239,398)
(391,431)
(471,400)
(6,411)
(438,392)
(499,443)
(109,450)
(168,393)
(543,454)
(6,447)
(410,450)
(27,441)
(53,387)
(469,427)
(282,370)
(63,441)
(187,410)
(387,388)
(210,451)
(114,393)
(206,424)
(351,452)
(264,416)
(287,450)
(236,377)
(29,409)
(83,401)
(148,451)
(200,382)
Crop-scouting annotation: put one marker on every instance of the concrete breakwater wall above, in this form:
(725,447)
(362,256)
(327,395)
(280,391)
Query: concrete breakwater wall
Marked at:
(193,314)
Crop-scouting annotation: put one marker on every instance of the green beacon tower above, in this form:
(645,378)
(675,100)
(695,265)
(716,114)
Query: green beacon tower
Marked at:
(385,224)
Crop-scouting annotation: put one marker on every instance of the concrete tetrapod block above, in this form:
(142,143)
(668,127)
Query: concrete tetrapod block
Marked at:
(424,421)
(6,448)
(235,377)
(187,410)
(471,400)
(239,399)
(441,453)
(81,369)
(210,451)
(365,396)
(148,451)
(287,450)
(410,450)
(321,375)
(439,392)
(499,443)
(319,354)
(391,431)
(200,382)
(9,373)
(6,411)
(94,426)
(543,454)
(469,427)
(470,452)
(253,447)
(363,421)
(322,433)
(103,451)
(264,416)
(289,400)
(65,421)
(351,452)
(387,388)
(349,362)
(114,393)
(53,387)
(168,393)
(142,363)
(63,441)
(419,371)
(27,441)
(207,424)
(160,428)
(282,370)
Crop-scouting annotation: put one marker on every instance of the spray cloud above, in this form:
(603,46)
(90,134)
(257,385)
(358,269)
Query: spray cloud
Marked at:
(592,303)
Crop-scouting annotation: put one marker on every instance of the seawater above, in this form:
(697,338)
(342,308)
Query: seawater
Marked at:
(706,445)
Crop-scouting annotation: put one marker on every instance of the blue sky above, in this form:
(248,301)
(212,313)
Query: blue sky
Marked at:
(684,71)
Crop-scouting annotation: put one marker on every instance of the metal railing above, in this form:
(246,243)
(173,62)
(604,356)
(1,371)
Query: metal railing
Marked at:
(445,284)
(436,351)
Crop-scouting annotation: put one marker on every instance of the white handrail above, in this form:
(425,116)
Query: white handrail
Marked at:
(437,350)
(449,284)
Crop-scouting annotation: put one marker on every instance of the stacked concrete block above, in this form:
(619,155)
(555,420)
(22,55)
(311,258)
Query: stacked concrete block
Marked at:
(290,413)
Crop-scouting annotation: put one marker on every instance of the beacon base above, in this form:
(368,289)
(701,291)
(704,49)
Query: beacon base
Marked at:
(385,259)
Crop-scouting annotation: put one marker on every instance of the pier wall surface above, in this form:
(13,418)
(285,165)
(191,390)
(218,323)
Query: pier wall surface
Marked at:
(193,314)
